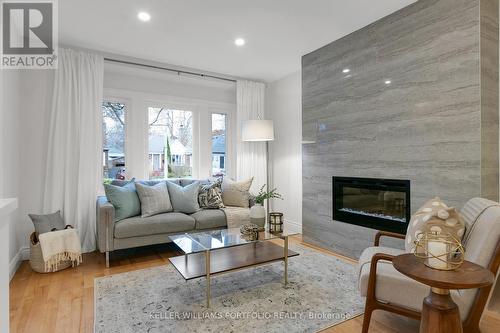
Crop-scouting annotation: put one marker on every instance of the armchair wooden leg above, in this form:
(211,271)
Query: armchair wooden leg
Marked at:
(107,259)
(367,317)
(371,301)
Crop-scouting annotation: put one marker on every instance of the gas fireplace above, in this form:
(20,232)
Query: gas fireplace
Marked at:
(382,204)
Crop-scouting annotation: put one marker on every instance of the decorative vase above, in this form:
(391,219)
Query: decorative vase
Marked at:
(258,215)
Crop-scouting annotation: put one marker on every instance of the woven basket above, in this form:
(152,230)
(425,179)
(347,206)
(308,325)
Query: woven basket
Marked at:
(36,257)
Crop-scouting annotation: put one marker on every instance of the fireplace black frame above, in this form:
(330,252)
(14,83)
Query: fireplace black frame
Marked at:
(372,222)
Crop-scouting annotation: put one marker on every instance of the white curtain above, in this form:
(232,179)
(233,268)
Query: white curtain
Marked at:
(74,156)
(250,156)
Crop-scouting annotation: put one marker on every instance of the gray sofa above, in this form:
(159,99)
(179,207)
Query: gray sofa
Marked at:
(138,231)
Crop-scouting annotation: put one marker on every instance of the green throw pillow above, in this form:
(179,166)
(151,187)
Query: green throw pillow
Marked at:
(124,199)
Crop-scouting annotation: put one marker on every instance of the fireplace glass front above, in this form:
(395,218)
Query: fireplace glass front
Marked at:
(382,204)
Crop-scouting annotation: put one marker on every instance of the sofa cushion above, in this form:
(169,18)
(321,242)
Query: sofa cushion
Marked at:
(118,182)
(124,199)
(210,196)
(396,288)
(184,199)
(154,199)
(157,224)
(209,219)
(188,181)
(236,193)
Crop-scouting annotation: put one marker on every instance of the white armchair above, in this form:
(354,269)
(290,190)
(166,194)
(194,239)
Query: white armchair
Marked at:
(387,289)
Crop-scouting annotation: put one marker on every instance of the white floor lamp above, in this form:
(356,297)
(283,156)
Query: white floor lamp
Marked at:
(259,131)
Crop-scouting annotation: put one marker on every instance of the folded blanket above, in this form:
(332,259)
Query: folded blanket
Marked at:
(58,246)
(236,216)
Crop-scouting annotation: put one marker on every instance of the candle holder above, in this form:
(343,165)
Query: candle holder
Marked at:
(439,251)
(275,223)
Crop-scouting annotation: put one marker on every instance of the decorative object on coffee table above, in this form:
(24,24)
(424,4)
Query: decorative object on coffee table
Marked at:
(275,223)
(257,211)
(443,252)
(250,231)
(439,313)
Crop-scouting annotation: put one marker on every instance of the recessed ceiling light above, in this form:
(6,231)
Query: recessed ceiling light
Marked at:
(239,42)
(143,16)
(388,82)
(346,70)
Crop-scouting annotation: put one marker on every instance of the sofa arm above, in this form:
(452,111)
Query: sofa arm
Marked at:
(105,224)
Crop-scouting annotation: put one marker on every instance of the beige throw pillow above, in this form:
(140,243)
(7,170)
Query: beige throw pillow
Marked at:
(434,216)
(236,193)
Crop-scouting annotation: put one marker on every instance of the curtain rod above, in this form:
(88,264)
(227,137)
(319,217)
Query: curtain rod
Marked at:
(178,71)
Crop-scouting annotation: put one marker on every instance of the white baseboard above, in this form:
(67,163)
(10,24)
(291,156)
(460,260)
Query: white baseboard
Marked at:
(293,226)
(22,254)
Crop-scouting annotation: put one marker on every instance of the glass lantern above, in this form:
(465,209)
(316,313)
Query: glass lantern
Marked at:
(275,223)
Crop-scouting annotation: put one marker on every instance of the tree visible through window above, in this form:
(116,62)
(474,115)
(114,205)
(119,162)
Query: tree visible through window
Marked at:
(170,143)
(113,129)
(218,144)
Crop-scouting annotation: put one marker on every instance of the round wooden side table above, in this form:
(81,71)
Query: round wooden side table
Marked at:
(439,313)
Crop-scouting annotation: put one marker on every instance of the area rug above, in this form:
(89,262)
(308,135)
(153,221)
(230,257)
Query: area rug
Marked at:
(321,292)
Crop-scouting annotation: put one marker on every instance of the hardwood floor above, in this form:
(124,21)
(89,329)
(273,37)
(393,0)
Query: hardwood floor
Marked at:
(64,301)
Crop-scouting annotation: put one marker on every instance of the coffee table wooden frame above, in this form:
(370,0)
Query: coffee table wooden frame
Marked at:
(229,259)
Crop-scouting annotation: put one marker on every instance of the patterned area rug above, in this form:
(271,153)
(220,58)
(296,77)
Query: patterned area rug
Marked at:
(321,292)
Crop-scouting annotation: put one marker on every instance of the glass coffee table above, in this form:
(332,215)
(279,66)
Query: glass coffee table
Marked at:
(208,253)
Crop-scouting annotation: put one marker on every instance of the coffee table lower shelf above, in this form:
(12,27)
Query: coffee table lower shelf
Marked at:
(227,259)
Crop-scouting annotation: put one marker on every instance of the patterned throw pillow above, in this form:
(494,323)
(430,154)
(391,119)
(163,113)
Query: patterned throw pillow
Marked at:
(434,216)
(154,199)
(210,196)
(236,193)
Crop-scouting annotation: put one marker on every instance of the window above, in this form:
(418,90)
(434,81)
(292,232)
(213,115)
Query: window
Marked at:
(113,146)
(170,143)
(218,144)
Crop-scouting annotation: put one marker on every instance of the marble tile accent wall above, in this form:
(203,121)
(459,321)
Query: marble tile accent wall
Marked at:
(420,102)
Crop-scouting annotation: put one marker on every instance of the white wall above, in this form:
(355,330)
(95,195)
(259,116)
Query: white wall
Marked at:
(9,81)
(9,157)
(284,106)
(24,119)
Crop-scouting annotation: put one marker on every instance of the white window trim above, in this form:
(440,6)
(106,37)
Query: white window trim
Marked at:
(137,130)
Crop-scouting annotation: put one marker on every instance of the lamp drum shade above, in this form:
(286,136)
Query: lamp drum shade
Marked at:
(257,130)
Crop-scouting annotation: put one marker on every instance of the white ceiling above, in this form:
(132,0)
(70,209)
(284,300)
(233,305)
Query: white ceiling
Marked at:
(200,33)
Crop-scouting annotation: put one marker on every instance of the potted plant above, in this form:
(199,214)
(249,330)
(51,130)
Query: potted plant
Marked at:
(258,212)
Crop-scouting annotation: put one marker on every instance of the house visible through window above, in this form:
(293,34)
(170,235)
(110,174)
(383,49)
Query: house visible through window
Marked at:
(170,143)
(218,144)
(113,146)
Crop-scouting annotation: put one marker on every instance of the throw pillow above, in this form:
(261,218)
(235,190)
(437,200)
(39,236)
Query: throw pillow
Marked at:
(47,222)
(236,193)
(184,199)
(124,199)
(434,216)
(210,196)
(154,199)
